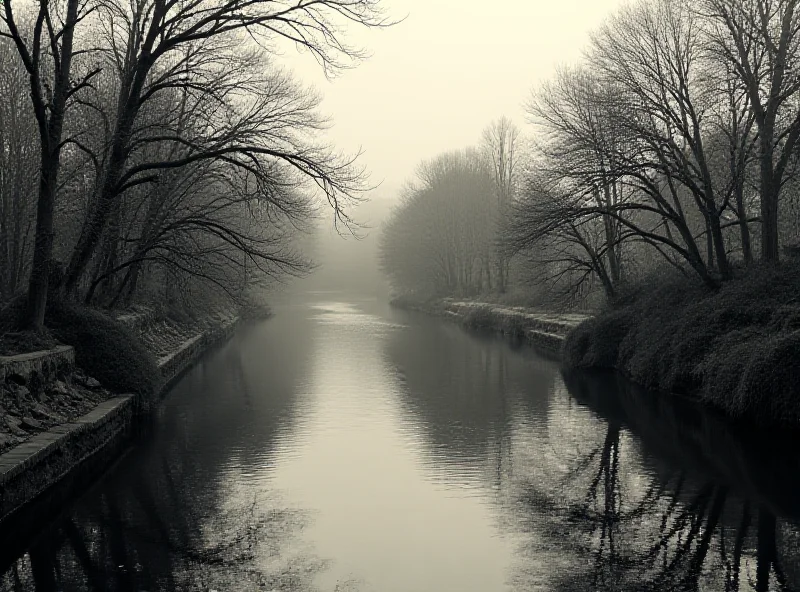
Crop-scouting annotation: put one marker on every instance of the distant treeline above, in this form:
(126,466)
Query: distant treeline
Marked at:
(672,144)
(155,150)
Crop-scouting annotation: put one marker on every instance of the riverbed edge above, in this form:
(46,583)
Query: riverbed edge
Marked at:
(544,331)
(30,470)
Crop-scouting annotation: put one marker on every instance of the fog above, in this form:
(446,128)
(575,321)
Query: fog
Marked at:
(345,262)
(430,84)
(437,78)
(313,284)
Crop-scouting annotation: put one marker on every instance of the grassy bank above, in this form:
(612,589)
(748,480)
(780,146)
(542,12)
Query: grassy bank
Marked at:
(119,349)
(105,348)
(122,355)
(737,348)
(541,328)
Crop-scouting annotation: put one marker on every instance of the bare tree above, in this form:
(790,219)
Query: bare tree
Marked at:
(18,168)
(438,239)
(653,54)
(759,39)
(500,143)
(201,165)
(47,53)
(578,169)
(734,121)
(159,45)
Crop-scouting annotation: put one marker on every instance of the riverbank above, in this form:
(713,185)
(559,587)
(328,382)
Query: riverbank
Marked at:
(544,330)
(54,418)
(736,349)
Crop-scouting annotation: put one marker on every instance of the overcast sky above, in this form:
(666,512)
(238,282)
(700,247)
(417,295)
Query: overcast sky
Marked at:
(436,79)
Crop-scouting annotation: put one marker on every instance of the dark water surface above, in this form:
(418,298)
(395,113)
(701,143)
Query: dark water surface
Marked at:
(345,446)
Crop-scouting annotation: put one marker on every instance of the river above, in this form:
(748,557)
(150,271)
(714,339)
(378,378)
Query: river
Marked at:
(342,445)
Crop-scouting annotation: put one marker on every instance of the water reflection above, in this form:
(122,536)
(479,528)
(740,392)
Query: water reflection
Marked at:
(463,397)
(172,514)
(342,446)
(713,507)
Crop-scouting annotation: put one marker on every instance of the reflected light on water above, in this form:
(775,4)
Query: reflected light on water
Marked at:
(346,446)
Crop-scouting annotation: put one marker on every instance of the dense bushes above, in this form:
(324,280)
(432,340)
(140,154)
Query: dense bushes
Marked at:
(595,342)
(23,342)
(105,349)
(488,317)
(737,348)
(480,317)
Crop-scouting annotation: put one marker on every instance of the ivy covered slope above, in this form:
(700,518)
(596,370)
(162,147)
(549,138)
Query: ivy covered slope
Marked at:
(105,348)
(736,348)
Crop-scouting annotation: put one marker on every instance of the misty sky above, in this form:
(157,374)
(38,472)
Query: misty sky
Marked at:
(436,79)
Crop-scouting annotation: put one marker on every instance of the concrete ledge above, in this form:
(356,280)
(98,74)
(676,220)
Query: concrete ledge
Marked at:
(544,331)
(551,342)
(38,464)
(29,469)
(42,365)
(545,322)
(173,365)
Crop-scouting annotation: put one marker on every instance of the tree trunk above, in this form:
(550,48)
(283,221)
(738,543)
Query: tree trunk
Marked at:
(769,200)
(709,246)
(6,287)
(744,227)
(693,254)
(50,130)
(43,244)
(502,278)
(766,552)
(135,274)
(719,247)
(109,257)
(93,227)
(611,248)
(769,229)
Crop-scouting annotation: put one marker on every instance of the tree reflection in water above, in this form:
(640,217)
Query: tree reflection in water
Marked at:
(626,490)
(604,487)
(109,554)
(171,520)
(718,510)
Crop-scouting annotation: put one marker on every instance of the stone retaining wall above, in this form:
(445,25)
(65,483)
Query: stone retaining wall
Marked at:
(174,364)
(550,343)
(531,320)
(36,465)
(42,365)
(30,468)
(545,331)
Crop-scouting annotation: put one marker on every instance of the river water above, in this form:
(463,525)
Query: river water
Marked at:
(342,445)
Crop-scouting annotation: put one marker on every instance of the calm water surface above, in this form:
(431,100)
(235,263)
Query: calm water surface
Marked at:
(345,446)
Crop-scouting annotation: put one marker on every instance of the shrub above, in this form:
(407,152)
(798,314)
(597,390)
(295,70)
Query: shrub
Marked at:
(479,317)
(737,348)
(785,318)
(23,342)
(659,283)
(653,325)
(697,328)
(105,349)
(595,342)
(770,384)
(577,343)
(764,282)
(677,368)
(722,369)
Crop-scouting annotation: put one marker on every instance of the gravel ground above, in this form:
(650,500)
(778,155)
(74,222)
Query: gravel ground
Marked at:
(24,413)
